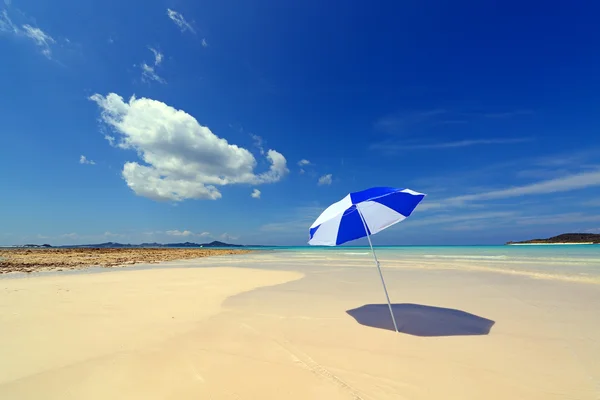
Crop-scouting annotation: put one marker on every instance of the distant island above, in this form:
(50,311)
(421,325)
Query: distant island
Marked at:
(565,238)
(113,245)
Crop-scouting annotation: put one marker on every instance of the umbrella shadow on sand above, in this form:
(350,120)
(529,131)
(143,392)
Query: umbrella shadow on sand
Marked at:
(421,320)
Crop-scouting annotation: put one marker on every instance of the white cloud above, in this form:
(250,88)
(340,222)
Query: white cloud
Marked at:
(70,235)
(148,74)
(110,140)
(390,146)
(227,236)
(255,194)
(303,163)
(84,160)
(325,180)
(39,37)
(176,232)
(204,42)
(182,159)
(178,19)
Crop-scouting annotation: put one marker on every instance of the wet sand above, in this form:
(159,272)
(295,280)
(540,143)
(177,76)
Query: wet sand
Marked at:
(271,326)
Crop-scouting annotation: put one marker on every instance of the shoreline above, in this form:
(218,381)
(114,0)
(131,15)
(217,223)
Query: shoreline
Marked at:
(42,260)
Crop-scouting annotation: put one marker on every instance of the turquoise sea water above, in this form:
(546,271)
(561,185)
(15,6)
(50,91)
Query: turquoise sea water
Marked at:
(579,263)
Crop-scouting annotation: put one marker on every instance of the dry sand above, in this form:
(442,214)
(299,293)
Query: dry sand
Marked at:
(203,333)
(34,260)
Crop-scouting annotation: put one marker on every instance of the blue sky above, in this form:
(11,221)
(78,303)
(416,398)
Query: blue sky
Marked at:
(240,121)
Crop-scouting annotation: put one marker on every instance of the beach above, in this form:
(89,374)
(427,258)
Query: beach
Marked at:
(308,325)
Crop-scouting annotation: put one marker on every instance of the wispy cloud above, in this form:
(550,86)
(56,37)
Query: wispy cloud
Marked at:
(556,219)
(149,71)
(410,122)
(148,74)
(180,21)
(158,56)
(578,159)
(204,42)
(84,160)
(591,203)
(493,198)
(571,182)
(401,122)
(456,218)
(6,24)
(108,234)
(296,220)
(506,114)
(255,194)
(325,180)
(533,169)
(40,38)
(542,173)
(393,147)
(258,143)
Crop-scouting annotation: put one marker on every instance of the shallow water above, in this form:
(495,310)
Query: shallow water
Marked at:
(576,263)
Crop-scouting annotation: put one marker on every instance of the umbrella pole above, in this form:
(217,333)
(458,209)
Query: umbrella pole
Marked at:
(379,270)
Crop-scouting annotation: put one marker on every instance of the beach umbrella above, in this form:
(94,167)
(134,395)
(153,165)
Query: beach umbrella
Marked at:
(361,214)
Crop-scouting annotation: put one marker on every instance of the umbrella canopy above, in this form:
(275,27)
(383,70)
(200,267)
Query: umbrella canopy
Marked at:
(363,213)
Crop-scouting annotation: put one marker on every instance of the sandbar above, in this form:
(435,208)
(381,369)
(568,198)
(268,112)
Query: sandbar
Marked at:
(34,260)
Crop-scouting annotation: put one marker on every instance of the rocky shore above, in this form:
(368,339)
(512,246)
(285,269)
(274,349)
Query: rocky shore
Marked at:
(33,260)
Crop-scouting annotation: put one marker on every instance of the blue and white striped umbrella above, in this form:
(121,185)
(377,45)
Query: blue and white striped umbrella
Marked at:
(363,213)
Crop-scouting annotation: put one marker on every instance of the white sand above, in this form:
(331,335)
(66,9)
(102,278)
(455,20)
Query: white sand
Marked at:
(112,335)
